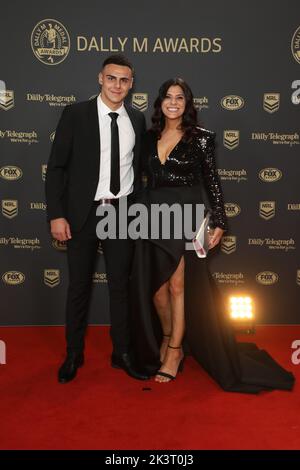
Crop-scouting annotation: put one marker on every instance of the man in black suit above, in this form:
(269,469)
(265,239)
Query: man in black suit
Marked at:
(95,161)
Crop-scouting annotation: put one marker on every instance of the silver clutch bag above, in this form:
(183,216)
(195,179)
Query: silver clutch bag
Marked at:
(201,240)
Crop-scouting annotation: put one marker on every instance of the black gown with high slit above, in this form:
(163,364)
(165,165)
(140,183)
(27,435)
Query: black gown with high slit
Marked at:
(209,336)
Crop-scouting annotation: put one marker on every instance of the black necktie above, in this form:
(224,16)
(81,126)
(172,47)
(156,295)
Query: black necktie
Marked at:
(115,155)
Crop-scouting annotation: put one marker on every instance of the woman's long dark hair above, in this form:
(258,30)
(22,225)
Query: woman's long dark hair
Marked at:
(189,118)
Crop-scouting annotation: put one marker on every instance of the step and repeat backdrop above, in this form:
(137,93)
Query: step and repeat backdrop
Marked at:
(242,61)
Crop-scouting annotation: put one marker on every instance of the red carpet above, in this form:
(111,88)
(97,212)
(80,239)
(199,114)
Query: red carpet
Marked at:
(105,409)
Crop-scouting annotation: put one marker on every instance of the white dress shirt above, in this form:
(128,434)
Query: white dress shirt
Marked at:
(126,142)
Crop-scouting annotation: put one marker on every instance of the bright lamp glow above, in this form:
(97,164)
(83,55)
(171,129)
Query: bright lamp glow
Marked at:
(241,308)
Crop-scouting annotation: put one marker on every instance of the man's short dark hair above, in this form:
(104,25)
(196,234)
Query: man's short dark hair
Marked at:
(118,59)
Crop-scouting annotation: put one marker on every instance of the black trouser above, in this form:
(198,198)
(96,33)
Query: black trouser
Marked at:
(82,252)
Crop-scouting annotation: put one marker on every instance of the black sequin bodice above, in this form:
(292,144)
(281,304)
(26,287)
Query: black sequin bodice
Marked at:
(188,164)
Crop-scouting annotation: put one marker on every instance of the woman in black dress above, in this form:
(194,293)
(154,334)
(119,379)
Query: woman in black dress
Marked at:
(175,300)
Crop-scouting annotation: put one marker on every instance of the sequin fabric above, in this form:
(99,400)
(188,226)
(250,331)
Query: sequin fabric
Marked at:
(188,164)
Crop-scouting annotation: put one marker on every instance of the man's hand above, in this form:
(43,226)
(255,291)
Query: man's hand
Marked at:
(215,237)
(60,229)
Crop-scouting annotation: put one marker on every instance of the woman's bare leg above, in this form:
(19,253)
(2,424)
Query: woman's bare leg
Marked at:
(176,293)
(162,304)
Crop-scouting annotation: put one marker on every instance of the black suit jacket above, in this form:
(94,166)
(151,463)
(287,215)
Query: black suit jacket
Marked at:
(73,169)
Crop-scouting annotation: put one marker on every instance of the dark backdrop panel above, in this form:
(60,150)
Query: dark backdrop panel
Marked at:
(245,49)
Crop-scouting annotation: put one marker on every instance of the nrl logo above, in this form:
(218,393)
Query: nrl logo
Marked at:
(231,139)
(271,102)
(6,99)
(140,101)
(267,209)
(10,208)
(228,244)
(51,277)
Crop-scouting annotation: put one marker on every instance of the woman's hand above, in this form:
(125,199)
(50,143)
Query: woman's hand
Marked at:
(215,237)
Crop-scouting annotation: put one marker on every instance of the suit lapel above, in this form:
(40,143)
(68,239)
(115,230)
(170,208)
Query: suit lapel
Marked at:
(93,129)
(137,131)
(133,119)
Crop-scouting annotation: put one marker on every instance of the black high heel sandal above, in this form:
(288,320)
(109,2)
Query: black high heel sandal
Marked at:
(179,369)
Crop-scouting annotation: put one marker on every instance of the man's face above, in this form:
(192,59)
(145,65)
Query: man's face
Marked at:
(116,81)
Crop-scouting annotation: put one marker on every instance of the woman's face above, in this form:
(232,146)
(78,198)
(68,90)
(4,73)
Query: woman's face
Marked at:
(173,105)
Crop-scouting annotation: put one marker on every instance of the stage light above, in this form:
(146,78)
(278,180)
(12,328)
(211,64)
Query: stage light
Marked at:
(241,312)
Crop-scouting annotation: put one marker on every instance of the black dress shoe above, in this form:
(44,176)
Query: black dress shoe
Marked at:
(68,369)
(123,361)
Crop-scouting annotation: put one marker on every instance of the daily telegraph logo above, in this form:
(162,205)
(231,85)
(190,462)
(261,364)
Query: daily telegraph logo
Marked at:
(13,278)
(270,175)
(232,209)
(17,137)
(228,244)
(233,175)
(267,278)
(267,209)
(51,99)
(271,102)
(201,103)
(51,277)
(11,173)
(6,99)
(293,206)
(231,139)
(50,42)
(10,208)
(277,138)
(140,101)
(232,102)
(295,45)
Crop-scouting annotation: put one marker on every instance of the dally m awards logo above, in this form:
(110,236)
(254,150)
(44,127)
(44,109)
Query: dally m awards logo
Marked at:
(228,244)
(10,208)
(267,278)
(271,102)
(7,100)
(232,102)
(50,42)
(231,139)
(51,277)
(139,101)
(295,45)
(267,209)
